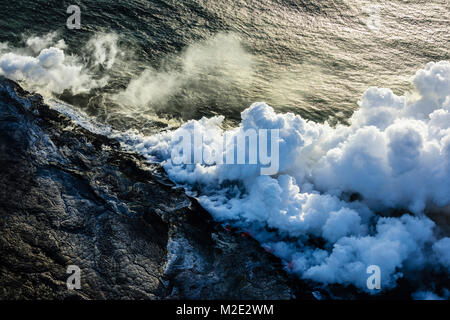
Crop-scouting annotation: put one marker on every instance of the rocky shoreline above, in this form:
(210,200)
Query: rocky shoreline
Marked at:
(69,196)
(72,197)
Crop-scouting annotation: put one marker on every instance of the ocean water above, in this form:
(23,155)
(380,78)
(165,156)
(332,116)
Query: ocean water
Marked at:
(313,58)
(361,167)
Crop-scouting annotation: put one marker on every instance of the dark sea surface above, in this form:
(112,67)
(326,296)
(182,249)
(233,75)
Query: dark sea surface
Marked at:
(313,58)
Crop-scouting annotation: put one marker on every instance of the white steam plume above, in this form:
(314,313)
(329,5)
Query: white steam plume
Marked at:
(221,55)
(394,155)
(44,66)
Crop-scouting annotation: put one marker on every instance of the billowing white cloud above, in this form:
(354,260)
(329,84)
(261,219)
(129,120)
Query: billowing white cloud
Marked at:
(395,155)
(43,65)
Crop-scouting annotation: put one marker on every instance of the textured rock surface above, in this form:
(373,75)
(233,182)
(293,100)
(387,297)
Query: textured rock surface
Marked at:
(68,196)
